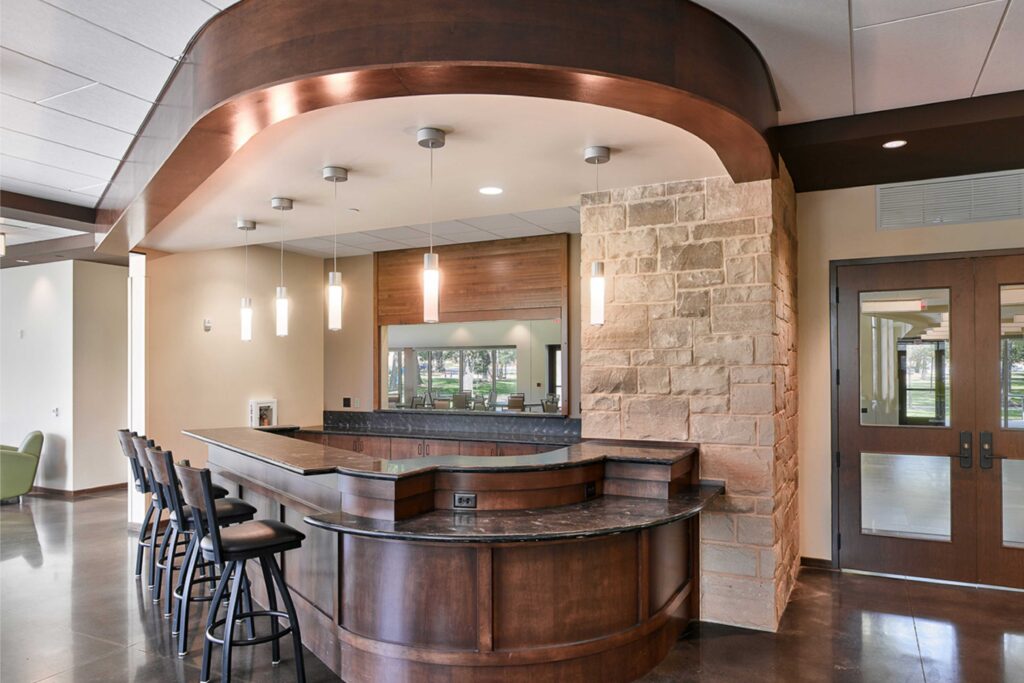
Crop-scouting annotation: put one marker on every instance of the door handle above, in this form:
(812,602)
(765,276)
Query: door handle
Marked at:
(966,459)
(987,454)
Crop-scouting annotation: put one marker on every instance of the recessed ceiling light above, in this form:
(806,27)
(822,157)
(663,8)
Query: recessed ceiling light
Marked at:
(21,260)
(491,190)
(894,144)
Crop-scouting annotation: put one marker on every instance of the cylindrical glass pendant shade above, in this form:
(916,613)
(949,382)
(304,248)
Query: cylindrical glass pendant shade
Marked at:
(431,288)
(281,308)
(334,301)
(246,316)
(597,293)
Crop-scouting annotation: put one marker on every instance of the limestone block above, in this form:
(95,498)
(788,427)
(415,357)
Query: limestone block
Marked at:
(700,381)
(709,404)
(605,357)
(634,289)
(723,429)
(728,559)
(746,318)
(670,333)
(603,218)
(660,418)
(653,212)
(661,357)
(693,303)
(723,350)
(653,380)
(752,399)
(699,278)
(710,231)
(690,207)
(685,187)
(703,256)
(605,402)
(747,471)
(598,424)
(607,380)
(633,243)
(755,530)
(726,199)
(741,270)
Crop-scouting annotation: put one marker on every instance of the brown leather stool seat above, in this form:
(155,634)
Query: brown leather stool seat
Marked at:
(249,540)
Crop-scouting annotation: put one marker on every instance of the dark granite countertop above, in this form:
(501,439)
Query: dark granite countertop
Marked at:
(598,517)
(306,458)
(534,439)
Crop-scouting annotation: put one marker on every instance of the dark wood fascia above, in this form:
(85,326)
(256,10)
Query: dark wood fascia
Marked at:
(668,59)
(47,212)
(960,137)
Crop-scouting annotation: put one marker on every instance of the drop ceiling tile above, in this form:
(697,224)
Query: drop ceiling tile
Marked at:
(465,238)
(445,227)
(373,244)
(500,222)
(1004,70)
(56,37)
(47,192)
(55,154)
(928,59)
(425,241)
(786,33)
(103,105)
(399,234)
(34,119)
(33,80)
(520,231)
(871,12)
(548,217)
(357,239)
(33,172)
(158,24)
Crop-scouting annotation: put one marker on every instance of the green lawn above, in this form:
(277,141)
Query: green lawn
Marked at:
(450,385)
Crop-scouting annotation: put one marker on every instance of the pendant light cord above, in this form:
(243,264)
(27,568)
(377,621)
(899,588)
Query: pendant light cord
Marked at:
(597,177)
(282,255)
(430,200)
(246,278)
(337,218)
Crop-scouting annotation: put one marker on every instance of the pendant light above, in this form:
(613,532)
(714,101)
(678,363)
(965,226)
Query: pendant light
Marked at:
(245,312)
(335,175)
(597,156)
(3,244)
(281,299)
(431,138)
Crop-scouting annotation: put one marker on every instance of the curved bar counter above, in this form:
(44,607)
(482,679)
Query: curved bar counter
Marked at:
(575,564)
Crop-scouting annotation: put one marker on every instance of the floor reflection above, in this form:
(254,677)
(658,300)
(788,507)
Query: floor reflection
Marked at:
(73,611)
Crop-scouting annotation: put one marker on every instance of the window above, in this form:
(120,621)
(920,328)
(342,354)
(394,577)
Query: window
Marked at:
(923,378)
(488,373)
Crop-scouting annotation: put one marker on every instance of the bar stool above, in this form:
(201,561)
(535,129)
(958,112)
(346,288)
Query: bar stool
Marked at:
(158,504)
(142,486)
(230,511)
(234,546)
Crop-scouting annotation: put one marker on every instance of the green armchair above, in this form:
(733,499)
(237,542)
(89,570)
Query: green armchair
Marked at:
(18,466)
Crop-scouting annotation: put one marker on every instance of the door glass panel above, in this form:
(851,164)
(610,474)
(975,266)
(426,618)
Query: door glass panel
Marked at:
(907,496)
(1011,356)
(905,358)
(1013,503)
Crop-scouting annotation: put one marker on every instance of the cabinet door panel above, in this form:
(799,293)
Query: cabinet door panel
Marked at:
(375,446)
(519,449)
(406,448)
(477,448)
(344,441)
(440,447)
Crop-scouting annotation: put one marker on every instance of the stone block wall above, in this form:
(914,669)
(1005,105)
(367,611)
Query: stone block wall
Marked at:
(699,345)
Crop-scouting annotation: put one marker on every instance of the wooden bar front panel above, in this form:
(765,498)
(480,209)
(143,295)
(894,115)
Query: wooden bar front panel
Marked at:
(410,593)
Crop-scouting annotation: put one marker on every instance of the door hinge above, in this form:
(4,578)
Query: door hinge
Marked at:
(839,541)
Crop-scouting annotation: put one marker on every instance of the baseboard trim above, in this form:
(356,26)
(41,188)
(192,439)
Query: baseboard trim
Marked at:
(71,495)
(816,563)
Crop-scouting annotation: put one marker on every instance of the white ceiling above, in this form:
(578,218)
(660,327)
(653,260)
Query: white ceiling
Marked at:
(23,232)
(78,76)
(838,57)
(530,147)
(505,226)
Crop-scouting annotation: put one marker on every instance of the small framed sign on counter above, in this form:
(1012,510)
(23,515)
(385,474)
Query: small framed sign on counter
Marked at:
(263,413)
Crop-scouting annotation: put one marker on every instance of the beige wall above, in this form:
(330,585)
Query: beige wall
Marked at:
(840,224)
(348,353)
(206,379)
(100,373)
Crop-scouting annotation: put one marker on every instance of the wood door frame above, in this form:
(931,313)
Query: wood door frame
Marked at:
(833,316)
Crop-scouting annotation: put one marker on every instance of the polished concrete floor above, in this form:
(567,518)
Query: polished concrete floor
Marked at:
(71,610)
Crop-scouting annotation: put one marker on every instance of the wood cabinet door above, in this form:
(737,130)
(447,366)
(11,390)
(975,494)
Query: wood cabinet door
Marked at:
(312,437)
(519,449)
(375,446)
(402,448)
(344,441)
(477,448)
(432,447)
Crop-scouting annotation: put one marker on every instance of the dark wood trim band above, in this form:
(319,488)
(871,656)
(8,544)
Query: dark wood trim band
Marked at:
(262,61)
(80,493)
(960,137)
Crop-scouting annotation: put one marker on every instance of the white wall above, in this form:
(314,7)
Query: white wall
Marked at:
(530,337)
(36,318)
(834,225)
(100,373)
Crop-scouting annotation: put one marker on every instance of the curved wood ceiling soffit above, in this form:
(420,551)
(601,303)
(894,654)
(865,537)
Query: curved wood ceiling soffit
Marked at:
(262,61)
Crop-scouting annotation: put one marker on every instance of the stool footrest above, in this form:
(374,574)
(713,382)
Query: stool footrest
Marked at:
(241,616)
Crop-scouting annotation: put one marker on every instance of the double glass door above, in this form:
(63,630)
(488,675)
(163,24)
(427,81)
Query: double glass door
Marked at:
(930,418)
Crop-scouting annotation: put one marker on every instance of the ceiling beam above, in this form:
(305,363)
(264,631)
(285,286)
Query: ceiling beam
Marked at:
(960,137)
(23,207)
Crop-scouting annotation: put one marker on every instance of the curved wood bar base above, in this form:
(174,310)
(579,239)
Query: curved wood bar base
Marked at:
(606,608)
(594,586)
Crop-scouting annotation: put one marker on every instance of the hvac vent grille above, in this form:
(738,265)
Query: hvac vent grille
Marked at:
(965,199)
